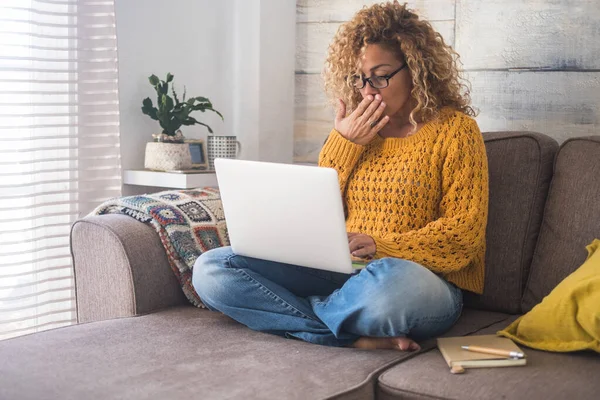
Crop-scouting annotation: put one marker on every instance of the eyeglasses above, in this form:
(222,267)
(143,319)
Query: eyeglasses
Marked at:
(376,82)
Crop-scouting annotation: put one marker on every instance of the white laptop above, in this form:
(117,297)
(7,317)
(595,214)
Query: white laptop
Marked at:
(287,213)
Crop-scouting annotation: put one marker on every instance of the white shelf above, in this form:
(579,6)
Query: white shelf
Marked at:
(170,179)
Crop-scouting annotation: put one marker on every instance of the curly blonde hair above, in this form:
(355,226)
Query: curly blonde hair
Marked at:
(436,80)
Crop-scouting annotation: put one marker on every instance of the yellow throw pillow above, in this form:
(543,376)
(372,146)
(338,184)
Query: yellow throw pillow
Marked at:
(568,319)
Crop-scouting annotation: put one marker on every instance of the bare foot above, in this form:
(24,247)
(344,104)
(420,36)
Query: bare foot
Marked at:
(394,343)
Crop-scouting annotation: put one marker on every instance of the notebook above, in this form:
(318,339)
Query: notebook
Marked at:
(451,350)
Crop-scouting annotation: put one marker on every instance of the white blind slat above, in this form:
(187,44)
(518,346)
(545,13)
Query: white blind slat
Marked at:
(66,288)
(28,146)
(59,149)
(64,181)
(36,239)
(43,190)
(58,136)
(36,282)
(40,304)
(108,16)
(37,316)
(82,158)
(7,262)
(103,169)
(28,267)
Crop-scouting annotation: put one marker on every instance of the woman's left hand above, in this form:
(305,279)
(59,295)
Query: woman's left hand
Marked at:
(361,245)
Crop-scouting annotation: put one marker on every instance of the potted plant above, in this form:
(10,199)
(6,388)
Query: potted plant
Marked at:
(168,151)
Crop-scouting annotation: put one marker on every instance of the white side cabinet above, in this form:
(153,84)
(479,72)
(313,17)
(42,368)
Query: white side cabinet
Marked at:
(172,180)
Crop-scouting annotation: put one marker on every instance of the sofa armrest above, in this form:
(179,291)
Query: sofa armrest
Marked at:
(121,269)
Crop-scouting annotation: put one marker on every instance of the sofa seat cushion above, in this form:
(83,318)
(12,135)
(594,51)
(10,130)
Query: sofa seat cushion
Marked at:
(546,376)
(187,352)
(181,353)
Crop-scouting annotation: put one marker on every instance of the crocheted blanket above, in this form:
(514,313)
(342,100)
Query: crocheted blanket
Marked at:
(188,222)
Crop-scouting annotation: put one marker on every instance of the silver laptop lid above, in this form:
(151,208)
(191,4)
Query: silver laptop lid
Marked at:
(287,213)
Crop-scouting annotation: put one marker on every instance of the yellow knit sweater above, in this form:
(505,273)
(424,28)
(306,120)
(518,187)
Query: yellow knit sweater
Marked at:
(422,198)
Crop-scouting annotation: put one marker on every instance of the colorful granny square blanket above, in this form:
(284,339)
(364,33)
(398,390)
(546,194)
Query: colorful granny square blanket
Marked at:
(189,222)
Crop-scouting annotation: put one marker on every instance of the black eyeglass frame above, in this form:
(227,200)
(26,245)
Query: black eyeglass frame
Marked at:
(386,77)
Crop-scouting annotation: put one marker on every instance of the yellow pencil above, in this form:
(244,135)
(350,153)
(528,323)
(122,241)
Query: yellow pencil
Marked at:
(498,352)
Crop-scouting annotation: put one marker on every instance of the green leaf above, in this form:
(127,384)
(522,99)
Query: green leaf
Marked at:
(148,109)
(165,126)
(164,87)
(207,127)
(154,80)
(198,107)
(167,102)
(192,121)
(170,114)
(175,95)
(183,112)
(220,115)
(188,121)
(174,125)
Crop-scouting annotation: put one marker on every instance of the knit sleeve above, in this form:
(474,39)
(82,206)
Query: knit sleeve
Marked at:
(340,154)
(452,241)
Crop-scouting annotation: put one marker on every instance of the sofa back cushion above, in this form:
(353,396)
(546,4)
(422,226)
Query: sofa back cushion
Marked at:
(520,169)
(571,218)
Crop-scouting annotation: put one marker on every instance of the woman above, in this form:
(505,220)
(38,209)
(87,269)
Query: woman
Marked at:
(413,174)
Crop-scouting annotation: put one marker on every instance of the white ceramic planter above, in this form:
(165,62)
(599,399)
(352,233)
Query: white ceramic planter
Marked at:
(162,156)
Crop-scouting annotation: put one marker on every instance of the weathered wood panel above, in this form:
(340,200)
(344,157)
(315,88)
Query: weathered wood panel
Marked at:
(555,34)
(559,104)
(313,117)
(306,148)
(491,36)
(344,10)
(312,41)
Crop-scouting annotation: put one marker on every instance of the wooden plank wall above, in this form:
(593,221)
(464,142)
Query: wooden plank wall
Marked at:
(532,65)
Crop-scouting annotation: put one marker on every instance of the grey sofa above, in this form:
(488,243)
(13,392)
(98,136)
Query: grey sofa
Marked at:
(138,337)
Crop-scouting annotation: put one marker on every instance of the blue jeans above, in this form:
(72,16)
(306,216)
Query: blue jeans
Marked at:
(389,297)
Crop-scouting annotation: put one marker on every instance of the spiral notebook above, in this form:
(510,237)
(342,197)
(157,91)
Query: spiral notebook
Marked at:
(451,350)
